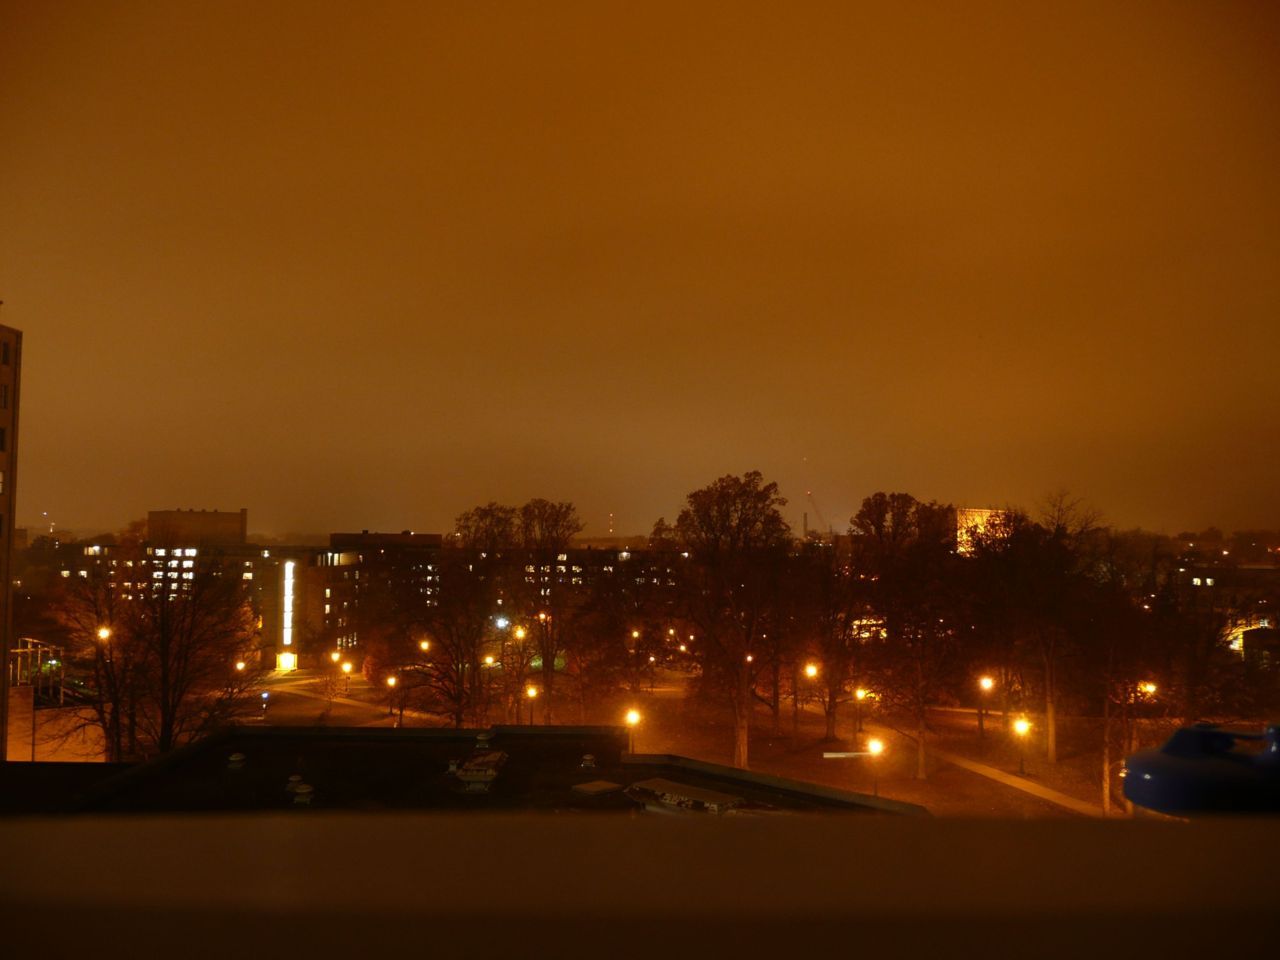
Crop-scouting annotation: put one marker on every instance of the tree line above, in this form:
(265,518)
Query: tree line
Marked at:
(1067,614)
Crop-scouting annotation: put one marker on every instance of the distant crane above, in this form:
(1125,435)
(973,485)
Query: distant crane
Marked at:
(822,521)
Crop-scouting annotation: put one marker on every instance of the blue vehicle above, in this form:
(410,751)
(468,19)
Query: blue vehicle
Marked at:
(1204,770)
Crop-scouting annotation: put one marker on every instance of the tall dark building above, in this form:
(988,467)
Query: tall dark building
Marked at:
(10,377)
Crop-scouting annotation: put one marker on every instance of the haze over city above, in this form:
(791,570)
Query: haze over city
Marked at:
(368,269)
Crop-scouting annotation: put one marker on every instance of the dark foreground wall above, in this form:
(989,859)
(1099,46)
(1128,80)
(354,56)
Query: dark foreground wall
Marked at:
(490,885)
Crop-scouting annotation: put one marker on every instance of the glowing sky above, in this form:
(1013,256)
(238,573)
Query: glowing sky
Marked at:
(356,268)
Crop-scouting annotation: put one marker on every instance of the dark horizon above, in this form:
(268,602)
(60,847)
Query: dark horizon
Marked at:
(368,269)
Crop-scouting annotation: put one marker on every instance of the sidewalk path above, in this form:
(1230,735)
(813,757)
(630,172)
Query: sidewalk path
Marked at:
(1019,783)
(300,689)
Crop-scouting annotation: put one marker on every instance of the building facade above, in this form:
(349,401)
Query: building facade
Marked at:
(10,382)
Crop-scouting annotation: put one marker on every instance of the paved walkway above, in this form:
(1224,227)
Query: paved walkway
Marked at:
(1019,783)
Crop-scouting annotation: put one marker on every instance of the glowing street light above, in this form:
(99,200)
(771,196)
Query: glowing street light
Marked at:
(1148,688)
(859,695)
(104,633)
(1022,727)
(531,693)
(985,685)
(633,719)
(346,676)
(810,670)
(875,747)
(335,656)
(635,634)
(520,633)
(392,681)
(488,660)
(240,665)
(424,645)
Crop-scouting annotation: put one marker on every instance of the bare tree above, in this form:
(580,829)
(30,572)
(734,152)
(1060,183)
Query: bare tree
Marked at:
(168,660)
(905,559)
(737,539)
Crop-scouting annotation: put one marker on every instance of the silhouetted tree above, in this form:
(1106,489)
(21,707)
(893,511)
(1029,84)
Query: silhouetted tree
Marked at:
(903,552)
(737,539)
(161,654)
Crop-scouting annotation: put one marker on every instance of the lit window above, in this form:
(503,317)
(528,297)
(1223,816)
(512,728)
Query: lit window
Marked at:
(246,575)
(191,552)
(188,564)
(1195,581)
(1208,581)
(160,551)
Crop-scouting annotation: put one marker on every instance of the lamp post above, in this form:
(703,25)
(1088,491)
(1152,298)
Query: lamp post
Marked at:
(1022,727)
(875,748)
(391,689)
(633,719)
(531,694)
(858,696)
(346,676)
(985,685)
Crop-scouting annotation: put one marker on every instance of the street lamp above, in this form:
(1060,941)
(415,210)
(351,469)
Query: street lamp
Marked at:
(985,684)
(875,747)
(1148,688)
(391,687)
(335,656)
(633,718)
(346,674)
(531,692)
(424,645)
(104,633)
(520,633)
(240,665)
(810,670)
(858,696)
(1022,726)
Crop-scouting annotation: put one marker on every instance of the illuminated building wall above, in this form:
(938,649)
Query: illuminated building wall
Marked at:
(971,520)
(10,370)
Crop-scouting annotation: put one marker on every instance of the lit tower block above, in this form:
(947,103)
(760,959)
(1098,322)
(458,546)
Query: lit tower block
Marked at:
(287,658)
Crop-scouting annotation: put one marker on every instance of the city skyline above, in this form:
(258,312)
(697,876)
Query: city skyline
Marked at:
(367,271)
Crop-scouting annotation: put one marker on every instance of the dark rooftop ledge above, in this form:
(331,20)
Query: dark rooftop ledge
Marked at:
(367,769)
(782,785)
